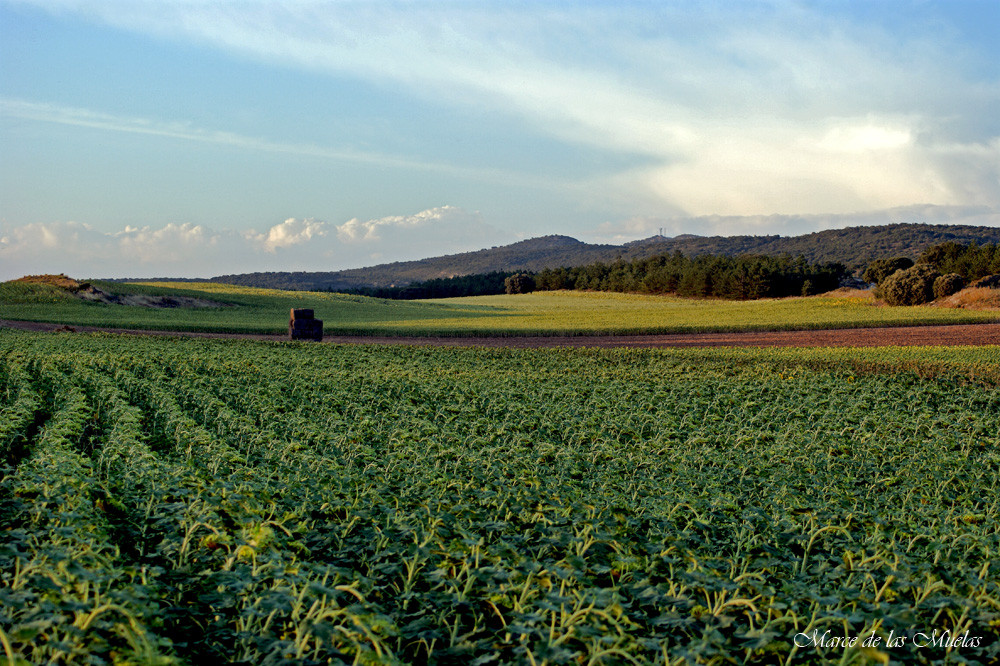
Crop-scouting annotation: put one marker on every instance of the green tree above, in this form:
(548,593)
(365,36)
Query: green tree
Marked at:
(880,269)
(912,286)
(521,283)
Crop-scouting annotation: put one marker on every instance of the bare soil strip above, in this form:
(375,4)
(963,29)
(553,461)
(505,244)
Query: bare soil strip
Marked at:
(949,335)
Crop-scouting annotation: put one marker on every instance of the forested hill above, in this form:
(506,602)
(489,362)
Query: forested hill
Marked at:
(852,246)
(528,255)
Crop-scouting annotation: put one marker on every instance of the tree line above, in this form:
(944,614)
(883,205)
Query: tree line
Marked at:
(743,277)
(480,284)
(970,261)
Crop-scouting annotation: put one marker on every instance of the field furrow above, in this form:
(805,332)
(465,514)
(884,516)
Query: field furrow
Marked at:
(235,571)
(66,591)
(21,417)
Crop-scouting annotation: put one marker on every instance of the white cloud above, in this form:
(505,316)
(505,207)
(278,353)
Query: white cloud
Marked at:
(763,170)
(355,230)
(170,243)
(83,251)
(65,237)
(857,137)
(288,233)
(429,233)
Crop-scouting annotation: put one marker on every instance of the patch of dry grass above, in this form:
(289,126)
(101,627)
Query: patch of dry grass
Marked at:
(61,281)
(972,298)
(848,292)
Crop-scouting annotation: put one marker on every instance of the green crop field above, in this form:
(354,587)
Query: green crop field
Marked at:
(195,501)
(248,310)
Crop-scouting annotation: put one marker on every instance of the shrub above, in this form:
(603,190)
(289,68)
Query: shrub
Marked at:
(988,282)
(949,284)
(880,269)
(522,283)
(912,286)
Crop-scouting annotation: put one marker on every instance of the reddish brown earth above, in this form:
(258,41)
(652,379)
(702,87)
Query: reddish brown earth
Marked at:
(957,334)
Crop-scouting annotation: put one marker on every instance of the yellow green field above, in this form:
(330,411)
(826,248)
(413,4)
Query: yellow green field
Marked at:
(250,310)
(578,312)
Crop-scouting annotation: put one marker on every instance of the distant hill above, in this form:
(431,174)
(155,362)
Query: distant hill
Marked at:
(528,255)
(853,246)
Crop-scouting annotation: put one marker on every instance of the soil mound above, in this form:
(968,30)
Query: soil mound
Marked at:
(88,292)
(61,281)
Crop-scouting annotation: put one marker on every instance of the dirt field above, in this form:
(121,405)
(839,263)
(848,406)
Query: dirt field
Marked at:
(959,334)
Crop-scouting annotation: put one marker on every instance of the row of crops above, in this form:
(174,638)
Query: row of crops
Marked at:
(181,501)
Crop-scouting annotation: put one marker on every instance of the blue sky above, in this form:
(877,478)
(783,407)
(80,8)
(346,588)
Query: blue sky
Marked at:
(198,138)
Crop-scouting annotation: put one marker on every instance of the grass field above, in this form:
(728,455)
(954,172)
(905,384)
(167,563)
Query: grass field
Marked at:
(248,310)
(188,501)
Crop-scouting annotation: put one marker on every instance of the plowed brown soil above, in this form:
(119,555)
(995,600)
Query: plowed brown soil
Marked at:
(958,334)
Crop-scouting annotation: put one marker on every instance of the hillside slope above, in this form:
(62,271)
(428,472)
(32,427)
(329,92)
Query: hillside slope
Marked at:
(528,255)
(852,246)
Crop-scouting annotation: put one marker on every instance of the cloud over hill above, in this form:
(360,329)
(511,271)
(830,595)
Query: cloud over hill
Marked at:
(192,250)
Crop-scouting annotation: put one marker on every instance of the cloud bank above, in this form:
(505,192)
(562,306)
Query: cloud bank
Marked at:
(189,250)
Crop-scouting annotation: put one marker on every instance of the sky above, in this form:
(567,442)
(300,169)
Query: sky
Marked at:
(196,138)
